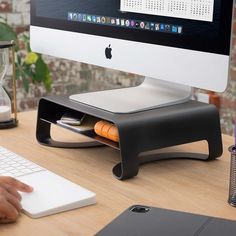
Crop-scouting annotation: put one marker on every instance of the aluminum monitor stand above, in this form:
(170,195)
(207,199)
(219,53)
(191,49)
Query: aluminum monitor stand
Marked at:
(152,93)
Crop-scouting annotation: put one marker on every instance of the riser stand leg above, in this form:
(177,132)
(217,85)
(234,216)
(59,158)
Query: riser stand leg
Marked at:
(128,167)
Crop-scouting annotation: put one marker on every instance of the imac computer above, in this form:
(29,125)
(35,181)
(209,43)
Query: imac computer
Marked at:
(175,44)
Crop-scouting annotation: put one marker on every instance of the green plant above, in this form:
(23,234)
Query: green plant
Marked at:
(30,66)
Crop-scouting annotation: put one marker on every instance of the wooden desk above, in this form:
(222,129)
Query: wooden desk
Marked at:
(185,185)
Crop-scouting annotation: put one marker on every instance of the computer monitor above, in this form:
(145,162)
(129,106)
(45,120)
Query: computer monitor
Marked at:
(176,44)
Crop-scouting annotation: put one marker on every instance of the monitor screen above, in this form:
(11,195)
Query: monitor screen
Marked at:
(181,41)
(202,25)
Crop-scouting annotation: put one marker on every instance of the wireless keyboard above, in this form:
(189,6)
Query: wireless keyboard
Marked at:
(52,193)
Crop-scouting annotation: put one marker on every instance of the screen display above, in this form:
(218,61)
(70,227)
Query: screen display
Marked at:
(202,25)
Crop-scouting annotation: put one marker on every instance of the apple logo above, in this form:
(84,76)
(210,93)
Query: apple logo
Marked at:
(108,52)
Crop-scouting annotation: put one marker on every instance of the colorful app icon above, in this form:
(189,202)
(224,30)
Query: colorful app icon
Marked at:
(152,26)
(162,27)
(127,23)
(94,19)
(108,20)
(132,23)
(103,19)
(70,16)
(98,19)
(80,17)
(180,29)
(142,25)
(89,18)
(147,26)
(167,28)
(75,16)
(157,26)
(174,29)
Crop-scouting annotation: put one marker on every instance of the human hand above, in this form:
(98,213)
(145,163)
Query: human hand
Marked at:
(10,206)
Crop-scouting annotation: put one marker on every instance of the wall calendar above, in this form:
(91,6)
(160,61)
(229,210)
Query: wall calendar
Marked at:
(188,9)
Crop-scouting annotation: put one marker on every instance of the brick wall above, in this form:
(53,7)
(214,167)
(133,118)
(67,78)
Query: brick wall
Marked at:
(70,77)
(228,98)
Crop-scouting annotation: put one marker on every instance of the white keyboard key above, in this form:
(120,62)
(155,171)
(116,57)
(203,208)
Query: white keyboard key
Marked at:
(19,173)
(2,173)
(37,169)
(14,171)
(20,167)
(10,174)
(27,171)
(15,165)
(11,163)
(9,169)
(4,166)
(22,161)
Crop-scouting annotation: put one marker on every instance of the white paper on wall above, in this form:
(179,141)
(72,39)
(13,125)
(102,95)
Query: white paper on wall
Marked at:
(190,9)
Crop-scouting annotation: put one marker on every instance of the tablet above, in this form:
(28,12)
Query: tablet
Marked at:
(141,220)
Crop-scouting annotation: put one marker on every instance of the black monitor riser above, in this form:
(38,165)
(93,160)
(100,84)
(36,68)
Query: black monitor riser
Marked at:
(139,132)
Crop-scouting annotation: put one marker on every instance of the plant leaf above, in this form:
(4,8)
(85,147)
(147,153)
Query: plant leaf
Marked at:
(26,85)
(36,72)
(48,81)
(41,70)
(7,33)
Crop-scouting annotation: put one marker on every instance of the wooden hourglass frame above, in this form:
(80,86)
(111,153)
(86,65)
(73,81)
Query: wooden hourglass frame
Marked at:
(8,120)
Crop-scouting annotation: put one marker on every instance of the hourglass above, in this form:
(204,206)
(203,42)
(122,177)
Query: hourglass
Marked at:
(8,114)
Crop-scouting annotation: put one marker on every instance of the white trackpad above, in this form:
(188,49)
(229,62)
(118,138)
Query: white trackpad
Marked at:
(53,194)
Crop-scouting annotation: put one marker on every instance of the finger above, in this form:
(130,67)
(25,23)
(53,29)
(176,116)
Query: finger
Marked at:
(6,221)
(8,212)
(13,201)
(16,183)
(11,190)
